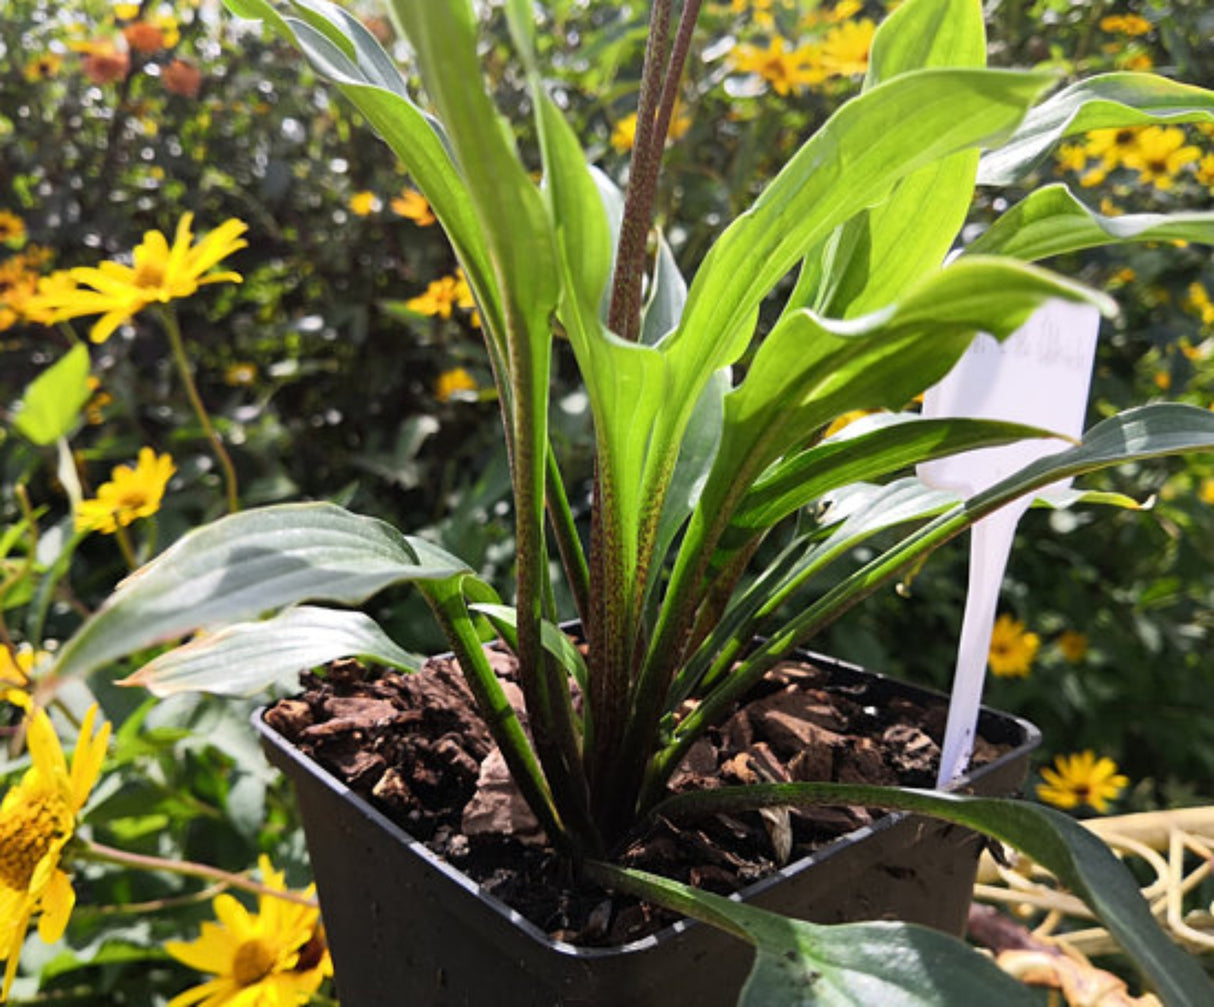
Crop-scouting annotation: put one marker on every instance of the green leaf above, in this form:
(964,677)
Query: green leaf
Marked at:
(505,621)
(883,250)
(1052,221)
(1077,857)
(851,163)
(870,448)
(799,964)
(245,658)
(1108,101)
(245,564)
(51,404)
(811,369)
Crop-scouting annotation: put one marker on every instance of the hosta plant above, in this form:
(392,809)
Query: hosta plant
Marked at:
(711,443)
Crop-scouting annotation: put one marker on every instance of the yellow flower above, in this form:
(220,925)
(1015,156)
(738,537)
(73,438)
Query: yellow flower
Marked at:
(442,296)
(1160,154)
(1074,645)
(16,666)
(450,383)
(1199,303)
(240,374)
(1137,61)
(1071,157)
(12,227)
(43,67)
(846,420)
(160,273)
(784,70)
(1012,648)
(1205,492)
(275,957)
(1081,779)
(624,135)
(129,495)
(1112,146)
(840,12)
(363,204)
(844,50)
(126,11)
(1205,171)
(37,818)
(1125,24)
(760,10)
(412,205)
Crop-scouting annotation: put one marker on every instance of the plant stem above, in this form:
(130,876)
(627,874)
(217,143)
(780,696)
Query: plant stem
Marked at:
(169,319)
(154,905)
(87,849)
(624,315)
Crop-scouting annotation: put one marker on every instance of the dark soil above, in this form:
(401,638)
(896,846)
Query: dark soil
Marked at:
(415,746)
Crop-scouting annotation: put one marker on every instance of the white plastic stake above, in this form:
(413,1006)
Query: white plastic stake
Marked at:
(1038,375)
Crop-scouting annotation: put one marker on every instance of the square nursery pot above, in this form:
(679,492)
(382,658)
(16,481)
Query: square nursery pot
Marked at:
(404,927)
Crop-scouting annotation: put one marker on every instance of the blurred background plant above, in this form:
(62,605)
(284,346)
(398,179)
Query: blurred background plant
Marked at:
(346,365)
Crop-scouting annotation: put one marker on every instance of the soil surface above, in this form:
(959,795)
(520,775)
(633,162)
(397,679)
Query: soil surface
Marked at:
(415,746)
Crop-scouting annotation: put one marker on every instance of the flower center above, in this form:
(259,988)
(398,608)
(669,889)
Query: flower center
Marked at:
(132,499)
(149,275)
(253,962)
(27,833)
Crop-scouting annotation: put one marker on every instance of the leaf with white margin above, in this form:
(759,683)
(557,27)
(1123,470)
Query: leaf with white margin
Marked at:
(246,564)
(245,658)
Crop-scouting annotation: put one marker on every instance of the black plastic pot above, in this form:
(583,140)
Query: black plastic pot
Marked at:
(405,928)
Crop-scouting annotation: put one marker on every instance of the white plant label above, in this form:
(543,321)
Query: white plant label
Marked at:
(1039,375)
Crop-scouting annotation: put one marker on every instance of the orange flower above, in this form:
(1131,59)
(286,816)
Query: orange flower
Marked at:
(106,65)
(143,36)
(183,78)
(412,205)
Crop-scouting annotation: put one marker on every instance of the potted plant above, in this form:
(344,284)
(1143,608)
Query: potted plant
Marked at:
(698,463)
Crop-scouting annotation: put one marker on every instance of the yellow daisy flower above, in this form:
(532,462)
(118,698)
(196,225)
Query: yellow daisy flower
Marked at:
(1073,645)
(1125,24)
(1112,146)
(240,374)
(1205,170)
(37,818)
(16,665)
(412,205)
(450,383)
(275,957)
(1012,648)
(844,50)
(42,67)
(1081,779)
(12,227)
(1071,157)
(159,274)
(624,135)
(363,204)
(442,296)
(1160,155)
(129,495)
(785,70)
